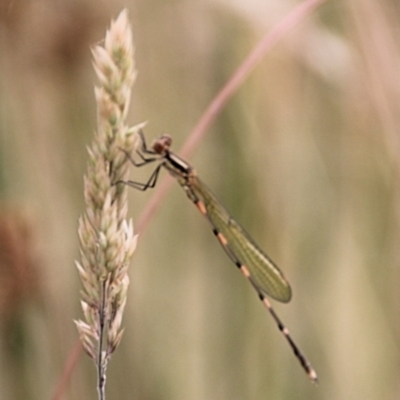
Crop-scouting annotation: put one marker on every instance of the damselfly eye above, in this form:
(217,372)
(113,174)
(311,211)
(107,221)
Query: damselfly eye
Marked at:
(162,144)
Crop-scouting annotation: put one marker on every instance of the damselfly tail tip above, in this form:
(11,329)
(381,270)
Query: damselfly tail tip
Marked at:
(312,375)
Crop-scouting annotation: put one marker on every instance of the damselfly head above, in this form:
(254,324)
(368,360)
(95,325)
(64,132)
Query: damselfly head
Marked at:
(162,144)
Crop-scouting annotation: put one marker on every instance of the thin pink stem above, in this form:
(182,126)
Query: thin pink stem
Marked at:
(69,367)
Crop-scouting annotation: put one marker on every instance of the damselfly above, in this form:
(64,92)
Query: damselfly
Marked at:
(265,277)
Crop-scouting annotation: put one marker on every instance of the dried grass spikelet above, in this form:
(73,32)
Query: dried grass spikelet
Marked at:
(107,239)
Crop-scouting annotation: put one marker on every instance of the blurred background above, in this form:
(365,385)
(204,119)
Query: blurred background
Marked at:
(306,156)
